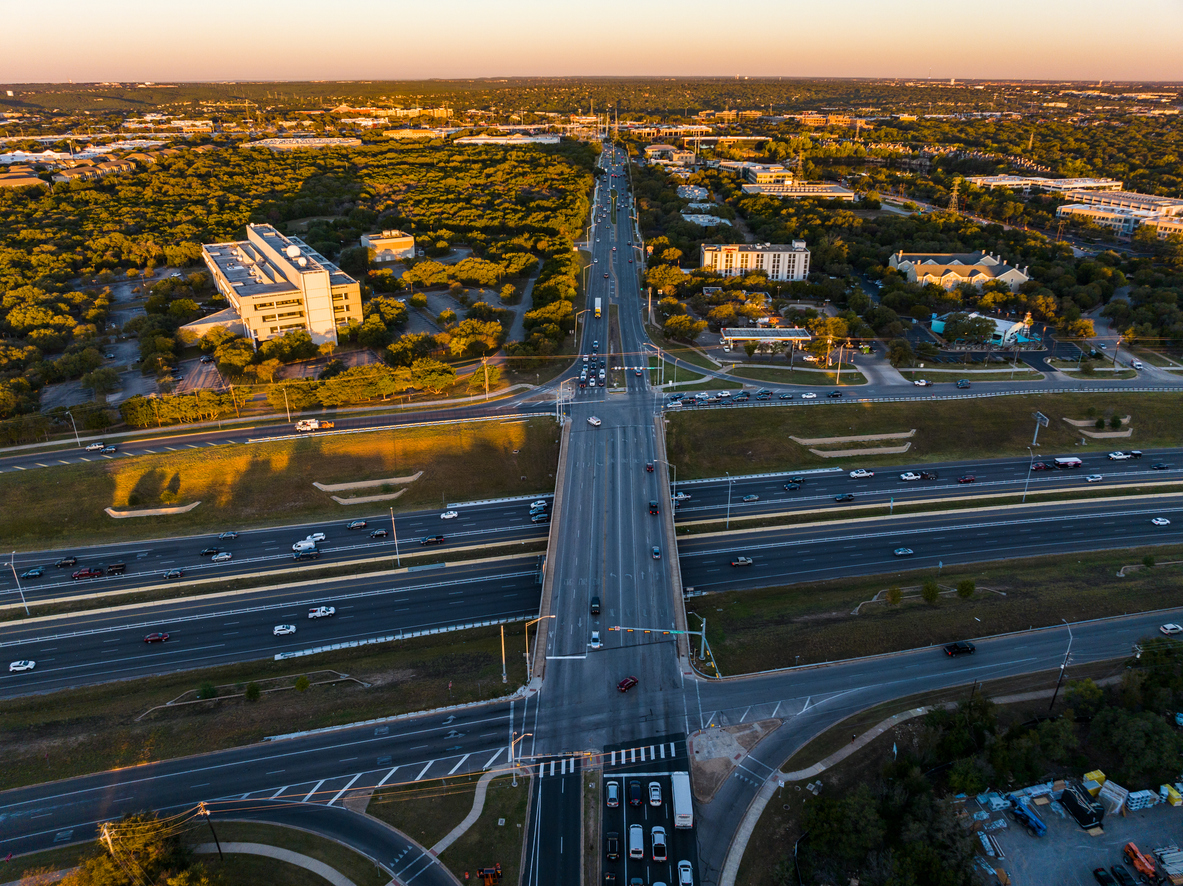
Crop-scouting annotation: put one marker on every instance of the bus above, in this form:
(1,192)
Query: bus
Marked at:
(597,308)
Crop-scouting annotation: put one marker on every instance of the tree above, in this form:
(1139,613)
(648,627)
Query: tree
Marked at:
(508,292)
(965,588)
(1146,748)
(252,692)
(930,591)
(302,683)
(101,381)
(207,690)
(899,352)
(483,377)
(683,328)
(894,595)
(432,375)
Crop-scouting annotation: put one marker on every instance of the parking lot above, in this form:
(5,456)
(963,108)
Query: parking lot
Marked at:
(1067,855)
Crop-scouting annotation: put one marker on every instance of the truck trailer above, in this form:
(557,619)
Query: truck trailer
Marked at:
(683,803)
(1069,462)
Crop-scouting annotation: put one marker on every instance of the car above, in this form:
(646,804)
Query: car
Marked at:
(1118,456)
(1134,453)
(1161,521)
(356,524)
(431,540)
(1094,478)
(1122,876)
(605,276)
(315,537)
(922,383)
(224,557)
(283,630)
(66,561)
(595,261)
(637,372)
(95,447)
(594,422)
(209,552)
(612,794)
(834,395)
(595,640)
(379,533)
(903,552)
(967,478)
(612,846)
(540,509)
(649,467)
(909,476)
(21,666)
(322,611)
(630,261)
(1171,629)
(1160,466)
(108,450)
(174,573)
(636,842)
(786,396)
(751,498)
(846,496)
(540,518)
(685,873)
(634,793)
(1040,466)
(809,395)
(627,683)
(929,475)
(449,515)
(159,637)
(87,572)
(109,356)
(861,474)
(1103,347)
(207,359)
(963,383)
(792,487)
(654,793)
(1103,877)
(35,572)
(961,647)
(657,839)
(742,561)
(595,605)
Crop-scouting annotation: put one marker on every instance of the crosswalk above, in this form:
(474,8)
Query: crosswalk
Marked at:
(641,754)
(559,766)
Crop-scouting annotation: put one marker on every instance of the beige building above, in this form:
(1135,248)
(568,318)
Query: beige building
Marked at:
(803,191)
(780,262)
(759,174)
(276,284)
(949,270)
(390,245)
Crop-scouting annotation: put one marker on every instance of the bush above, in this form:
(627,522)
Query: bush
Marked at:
(931,591)
(252,692)
(1115,423)
(1148,561)
(207,690)
(419,300)
(1100,424)
(894,595)
(965,588)
(302,683)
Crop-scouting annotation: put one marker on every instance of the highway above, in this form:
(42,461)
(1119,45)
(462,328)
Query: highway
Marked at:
(258,552)
(97,646)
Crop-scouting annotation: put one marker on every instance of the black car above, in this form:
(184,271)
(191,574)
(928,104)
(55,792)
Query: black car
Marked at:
(209,552)
(1103,877)
(595,605)
(431,540)
(740,398)
(653,509)
(928,475)
(834,395)
(1122,876)
(1160,466)
(786,396)
(1134,453)
(844,497)
(356,524)
(634,793)
(961,647)
(66,561)
(379,533)
(35,572)
(792,487)
(796,479)
(613,847)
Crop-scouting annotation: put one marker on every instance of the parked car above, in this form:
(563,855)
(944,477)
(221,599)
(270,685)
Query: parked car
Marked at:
(1103,877)
(961,647)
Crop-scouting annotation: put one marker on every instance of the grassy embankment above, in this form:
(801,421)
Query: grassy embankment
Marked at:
(269,483)
(782,626)
(949,376)
(787,376)
(76,731)
(708,443)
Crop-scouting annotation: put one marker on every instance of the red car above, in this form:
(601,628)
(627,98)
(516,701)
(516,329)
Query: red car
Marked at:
(87,572)
(649,467)
(967,478)
(627,683)
(1040,466)
(156,638)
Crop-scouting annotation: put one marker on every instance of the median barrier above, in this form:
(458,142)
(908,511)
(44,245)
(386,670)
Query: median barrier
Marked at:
(407,427)
(401,635)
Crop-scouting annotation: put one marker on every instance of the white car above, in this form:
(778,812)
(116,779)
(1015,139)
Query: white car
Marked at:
(541,503)
(449,515)
(809,395)
(316,537)
(594,422)
(283,630)
(922,383)
(1161,521)
(1094,478)
(1119,456)
(909,475)
(322,612)
(654,793)
(21,666)
(595,640)
(95,447)
(224,557)
(681,496)
(861,474)
(685,873)
(1169,630)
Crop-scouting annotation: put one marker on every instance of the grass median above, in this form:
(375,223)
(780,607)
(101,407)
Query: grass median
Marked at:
(256,484)
(952,375)
(94,728)
(787,376)
(780,627)
(709,443)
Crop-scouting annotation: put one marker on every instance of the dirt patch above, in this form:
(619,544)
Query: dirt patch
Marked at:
(367,484)
(385,678)
(878,450)
(822,441)
(715,751)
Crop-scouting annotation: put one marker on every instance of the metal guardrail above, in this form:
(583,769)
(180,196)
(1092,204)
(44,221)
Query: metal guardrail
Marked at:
(301,435)
(401,635)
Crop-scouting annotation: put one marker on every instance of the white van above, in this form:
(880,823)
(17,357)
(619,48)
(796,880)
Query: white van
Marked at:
(305,545)
(1137,364)
(636,841)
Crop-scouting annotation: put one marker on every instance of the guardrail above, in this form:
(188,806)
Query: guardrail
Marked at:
(401,635)
(301,435)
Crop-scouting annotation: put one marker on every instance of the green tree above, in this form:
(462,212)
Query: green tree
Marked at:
(930,591)
(432,375)
(207,690)
(894,595)
(683,328)
(899,352)
(1084,697)
(252,692)
(1145,747)
(965,588)
(101,381)
(302,683)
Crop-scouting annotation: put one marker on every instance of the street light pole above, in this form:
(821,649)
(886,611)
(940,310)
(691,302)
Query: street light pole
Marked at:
(728,499)
(286,407)
(394,531)
(1030,462)
(512,758)
(12,564)
(76,438)
(1063,665)
(535,621)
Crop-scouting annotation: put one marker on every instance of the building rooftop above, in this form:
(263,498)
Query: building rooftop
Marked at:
(251,272)
(756,247)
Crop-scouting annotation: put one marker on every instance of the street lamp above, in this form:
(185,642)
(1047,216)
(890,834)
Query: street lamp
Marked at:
(1063,665)
(728,473)
(512,758)
(577,316)
(535,621)
(12,565)
(1030,462)
(76,439)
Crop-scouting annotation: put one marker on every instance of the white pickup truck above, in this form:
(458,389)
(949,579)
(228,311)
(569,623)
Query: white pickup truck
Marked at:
(322,612)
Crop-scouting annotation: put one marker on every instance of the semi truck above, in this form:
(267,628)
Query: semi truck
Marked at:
(312,424)
(683,805)
(1069,462)
(597,308)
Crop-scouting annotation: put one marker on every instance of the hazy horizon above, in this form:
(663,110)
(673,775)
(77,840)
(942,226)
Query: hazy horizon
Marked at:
(133,40)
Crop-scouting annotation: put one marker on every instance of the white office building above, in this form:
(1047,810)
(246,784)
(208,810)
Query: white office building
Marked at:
(783,263)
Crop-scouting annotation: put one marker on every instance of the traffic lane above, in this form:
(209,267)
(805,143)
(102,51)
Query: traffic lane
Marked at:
(870,549)
(555,834)
(619,819)
(150,567)
(477,737)
(113,646)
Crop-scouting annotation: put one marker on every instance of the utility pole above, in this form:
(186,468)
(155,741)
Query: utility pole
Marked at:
(504,678)
(208,820)
(1063,665)
(77,440)
(397,560)
(286,407)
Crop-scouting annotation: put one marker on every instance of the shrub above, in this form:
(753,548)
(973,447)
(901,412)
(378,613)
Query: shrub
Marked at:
(894,595)
(1100,424)
(965,588)
(931,591)
(207,690)
(1148,561)
(252,692)
(302,683)
(1115,423)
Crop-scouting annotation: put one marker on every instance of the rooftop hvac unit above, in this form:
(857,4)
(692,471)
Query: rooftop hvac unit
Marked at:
(301,261)
(293,251)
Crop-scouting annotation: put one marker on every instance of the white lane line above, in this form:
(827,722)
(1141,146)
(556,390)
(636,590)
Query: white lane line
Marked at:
(280,791)
(494,758)
(424,772)
(651,754)
(313,791)
(387,778)
(774,710)
(344,789)
(461,763)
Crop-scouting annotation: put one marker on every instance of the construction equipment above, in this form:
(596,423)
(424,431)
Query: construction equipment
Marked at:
(1024,816)
(1143,864)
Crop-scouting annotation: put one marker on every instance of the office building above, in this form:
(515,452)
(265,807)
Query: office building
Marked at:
(276,284)
(783,263)
(1027,183)
(759,174)
(803,191)
(949,270)
(389,245)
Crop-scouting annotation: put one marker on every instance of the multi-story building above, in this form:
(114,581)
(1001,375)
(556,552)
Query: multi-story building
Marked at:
(949,270)
(795,190)
(276,284)
(759,174)
(783,263)
(1027,183)
(390,245)
(1123,212)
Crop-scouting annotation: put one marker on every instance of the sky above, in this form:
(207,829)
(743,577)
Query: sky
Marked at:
(164,40)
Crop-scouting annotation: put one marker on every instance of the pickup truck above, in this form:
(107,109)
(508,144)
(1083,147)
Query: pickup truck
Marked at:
(322,612)
(742,561)
(312,424)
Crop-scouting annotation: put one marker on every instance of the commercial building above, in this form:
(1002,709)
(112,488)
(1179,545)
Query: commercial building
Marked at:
(390,245)
(1168,206)
(803,191)
(777,335)
(784,263)
(1027,183)
(295,144)
(1006,332)
(759,174)
(949,270)
(515,139)
(1123,212)
(276,284)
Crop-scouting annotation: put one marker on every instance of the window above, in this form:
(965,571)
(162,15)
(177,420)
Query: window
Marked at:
(261,305)
(290,314)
